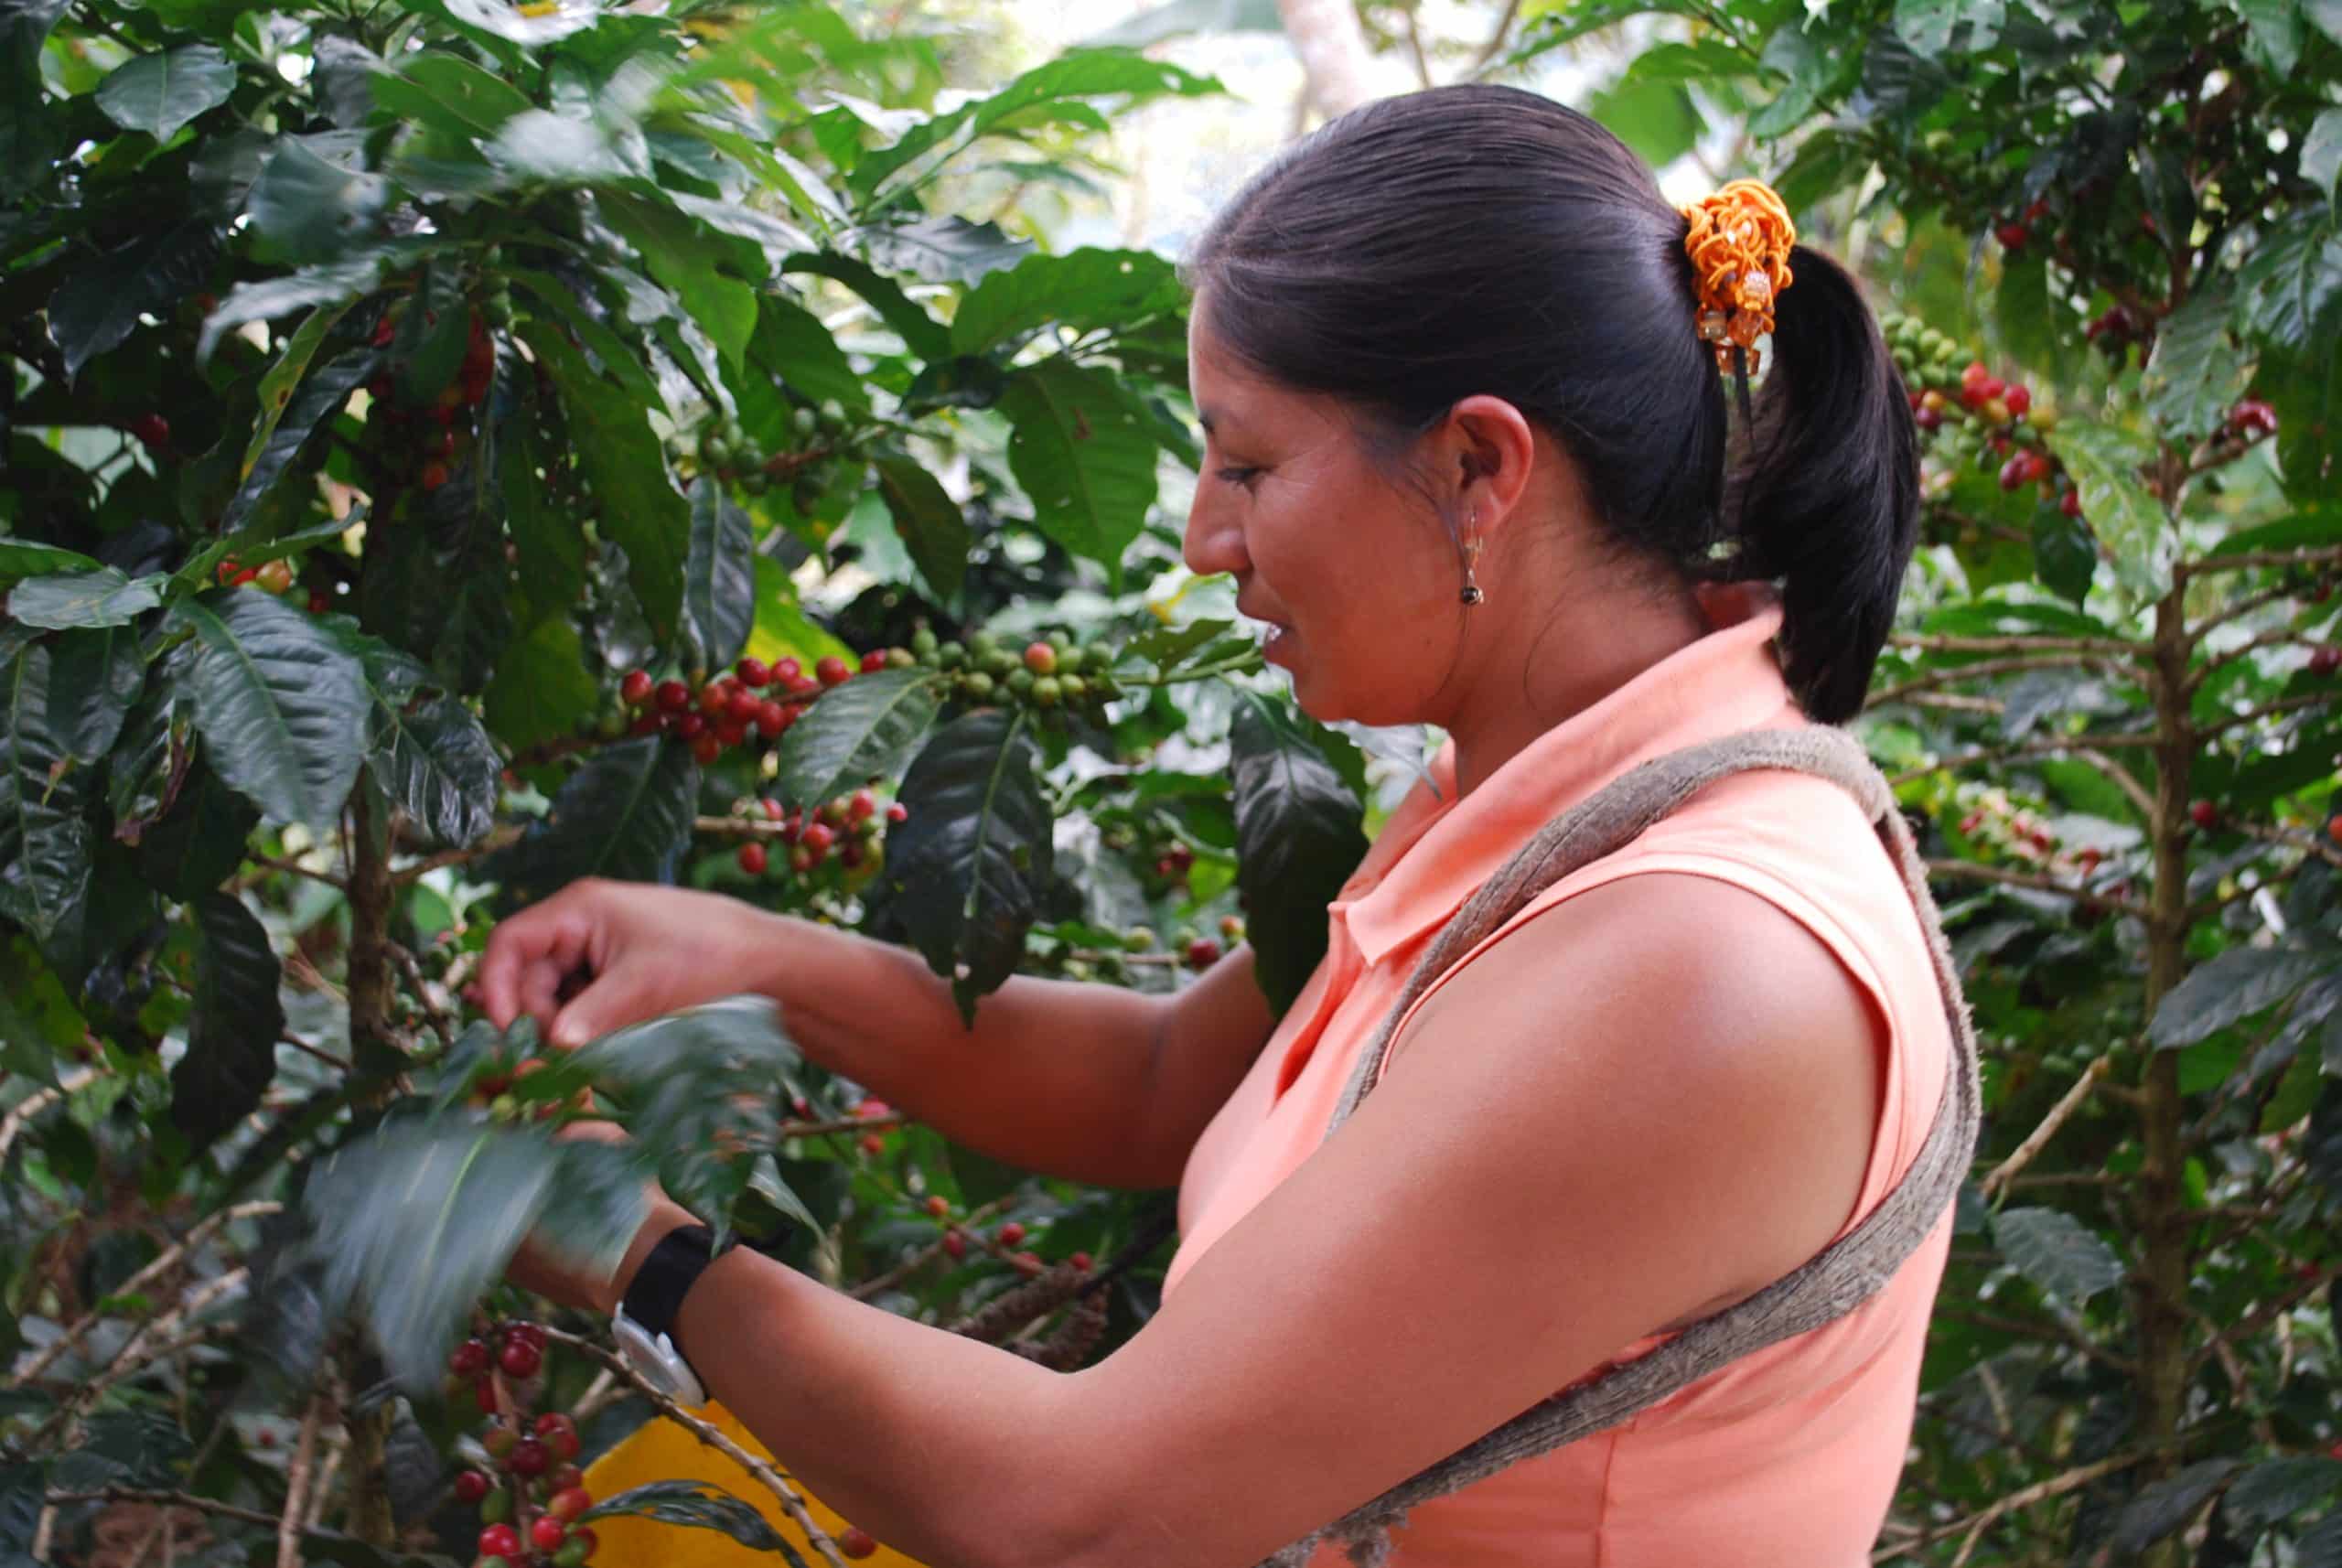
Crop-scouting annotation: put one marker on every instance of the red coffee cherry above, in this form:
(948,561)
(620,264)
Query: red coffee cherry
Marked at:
(856,1542)
(636,689)
(673,696)
(499,1541)
(520,1358)
(569,1503)
(529,1458)
(548,1534)
(559,1433)
(470,1486)
(752,859)
(752,672)
(831,670)
(1011,1234)
(2204,813)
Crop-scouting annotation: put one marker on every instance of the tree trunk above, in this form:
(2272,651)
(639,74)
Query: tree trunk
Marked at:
(2160,1289)
(1334,56)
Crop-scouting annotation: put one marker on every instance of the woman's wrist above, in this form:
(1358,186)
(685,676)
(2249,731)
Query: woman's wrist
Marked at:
(666,1215)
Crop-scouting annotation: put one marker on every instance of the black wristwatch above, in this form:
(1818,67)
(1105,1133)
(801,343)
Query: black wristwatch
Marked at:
(645,1325)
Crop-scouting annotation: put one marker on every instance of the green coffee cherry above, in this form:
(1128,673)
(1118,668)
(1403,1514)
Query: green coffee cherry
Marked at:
(950,656)
(1138,938)
(979,685)
(1046,690)
(923,641)
(1073,687)
(496,1506)
(1020,681)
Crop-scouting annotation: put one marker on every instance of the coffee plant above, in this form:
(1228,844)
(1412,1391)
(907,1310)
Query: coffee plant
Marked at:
(454,447)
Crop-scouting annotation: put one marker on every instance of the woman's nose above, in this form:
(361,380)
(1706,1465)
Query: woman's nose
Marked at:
(1214,541)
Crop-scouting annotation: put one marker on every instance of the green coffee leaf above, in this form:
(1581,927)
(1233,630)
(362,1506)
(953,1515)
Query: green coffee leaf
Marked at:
(2057,1253)
(281,704)
(930,522)
(232,1034)
(863,729)
(102,598)
(2105,464)
(158,93)
(1299,835)
(2237,984)
(966,874)
(1084,454)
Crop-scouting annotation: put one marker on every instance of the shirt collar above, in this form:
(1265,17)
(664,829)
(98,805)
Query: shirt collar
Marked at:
(1436,850)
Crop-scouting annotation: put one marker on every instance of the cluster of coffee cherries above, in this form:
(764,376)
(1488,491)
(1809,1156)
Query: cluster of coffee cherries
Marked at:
(431,438)
(1051,675)
(275,576)
(530,1499)
(756,700)
(1972,415)
(851,828)
(1995,821)
(735,457)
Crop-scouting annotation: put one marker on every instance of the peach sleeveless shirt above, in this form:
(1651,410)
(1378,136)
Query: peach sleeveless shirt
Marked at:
(1789,1455)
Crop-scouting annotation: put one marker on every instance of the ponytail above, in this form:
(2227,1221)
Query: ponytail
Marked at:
(1824,490)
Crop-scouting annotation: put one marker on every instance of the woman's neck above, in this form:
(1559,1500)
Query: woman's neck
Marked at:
(1582,651)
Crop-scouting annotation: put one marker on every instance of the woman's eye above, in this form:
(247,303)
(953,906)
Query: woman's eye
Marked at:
(1244,476)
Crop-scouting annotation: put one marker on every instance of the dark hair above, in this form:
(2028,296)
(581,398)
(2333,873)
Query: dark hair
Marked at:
(1483,239)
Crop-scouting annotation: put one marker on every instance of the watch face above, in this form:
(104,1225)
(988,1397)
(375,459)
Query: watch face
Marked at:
(659,1362)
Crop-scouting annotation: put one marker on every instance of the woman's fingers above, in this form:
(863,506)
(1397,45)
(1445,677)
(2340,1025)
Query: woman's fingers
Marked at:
(612,1001)
(529,955)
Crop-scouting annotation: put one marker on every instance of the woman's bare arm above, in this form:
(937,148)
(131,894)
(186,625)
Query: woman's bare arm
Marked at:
(1083,1081)
(1077,1079)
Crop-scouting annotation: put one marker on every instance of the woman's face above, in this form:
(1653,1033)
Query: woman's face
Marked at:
(1355,577)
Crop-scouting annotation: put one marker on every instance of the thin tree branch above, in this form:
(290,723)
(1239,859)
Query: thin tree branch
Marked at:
(433,1011)
(296,1487)
(2265,711)
(2038,1139)
(1489,50)
(40,1100)
(321,1054)
(2113,646)
(1973,872)
(1958,760)
(2245,1328)
(1951,674)
(2239,608)
(2321,555)
(2041,1492)
(2245,650)
(713,1438)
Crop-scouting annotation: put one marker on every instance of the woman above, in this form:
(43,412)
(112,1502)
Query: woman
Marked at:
(1467,461)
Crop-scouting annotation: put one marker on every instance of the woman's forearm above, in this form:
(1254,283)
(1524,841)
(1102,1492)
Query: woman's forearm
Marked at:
(1054,1076)
(952,1450)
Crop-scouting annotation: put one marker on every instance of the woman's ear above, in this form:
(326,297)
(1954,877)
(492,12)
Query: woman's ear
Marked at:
(1491,448)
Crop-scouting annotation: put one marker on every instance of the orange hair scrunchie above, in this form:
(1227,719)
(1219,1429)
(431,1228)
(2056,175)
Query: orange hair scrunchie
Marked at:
(1739,244)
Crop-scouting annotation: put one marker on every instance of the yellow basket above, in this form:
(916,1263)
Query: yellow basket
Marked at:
(660,1450)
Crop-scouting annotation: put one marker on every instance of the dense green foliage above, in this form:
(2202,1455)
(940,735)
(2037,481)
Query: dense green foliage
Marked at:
(386,384)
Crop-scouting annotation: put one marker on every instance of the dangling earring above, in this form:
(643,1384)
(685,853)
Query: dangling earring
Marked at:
(1472,594)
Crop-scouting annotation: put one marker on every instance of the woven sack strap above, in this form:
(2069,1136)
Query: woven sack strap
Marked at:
(1832,1283)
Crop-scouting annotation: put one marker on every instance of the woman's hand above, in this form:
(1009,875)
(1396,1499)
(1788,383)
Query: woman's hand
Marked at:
(647,950)
(534,1268)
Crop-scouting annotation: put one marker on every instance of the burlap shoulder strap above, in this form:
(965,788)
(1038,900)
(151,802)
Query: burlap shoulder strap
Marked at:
(1826,1287)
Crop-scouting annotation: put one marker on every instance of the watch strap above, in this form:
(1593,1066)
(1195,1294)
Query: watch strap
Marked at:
(655,1295)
